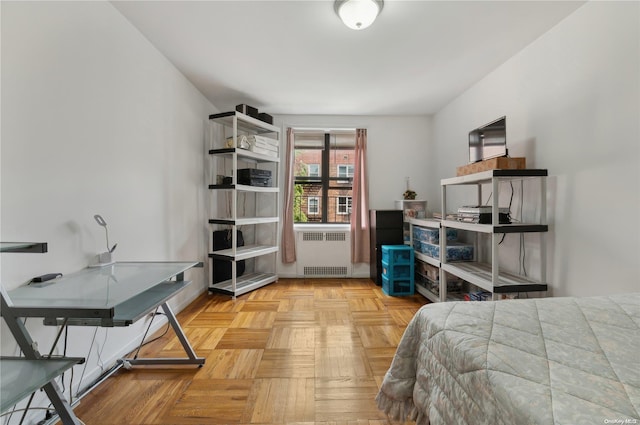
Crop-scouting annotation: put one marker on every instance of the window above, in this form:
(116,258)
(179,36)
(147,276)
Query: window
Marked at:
(313,205)
(345,170)
(344,205)
(324,168)
(314,170)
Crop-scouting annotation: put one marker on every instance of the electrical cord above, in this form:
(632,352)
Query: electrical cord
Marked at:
(143,343)
(100,350)
(510,203)
(95,332)
(166,329)
(523,251)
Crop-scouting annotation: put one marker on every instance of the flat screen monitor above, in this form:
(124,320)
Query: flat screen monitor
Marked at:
(488,141)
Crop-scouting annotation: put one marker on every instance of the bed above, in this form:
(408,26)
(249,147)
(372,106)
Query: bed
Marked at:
(518,362)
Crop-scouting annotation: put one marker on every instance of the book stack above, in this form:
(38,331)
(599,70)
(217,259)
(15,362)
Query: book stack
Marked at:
(482,214)
(263,145)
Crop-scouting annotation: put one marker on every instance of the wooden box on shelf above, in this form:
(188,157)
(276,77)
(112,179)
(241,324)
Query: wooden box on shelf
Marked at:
(501,163)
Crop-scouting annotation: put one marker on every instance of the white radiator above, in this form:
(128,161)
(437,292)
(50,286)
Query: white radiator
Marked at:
(323,253)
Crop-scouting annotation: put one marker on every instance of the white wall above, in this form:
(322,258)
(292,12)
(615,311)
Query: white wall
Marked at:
(396,148)
(572,104)
(96,120)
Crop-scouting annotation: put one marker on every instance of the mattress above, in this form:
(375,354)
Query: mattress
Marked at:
(536,361)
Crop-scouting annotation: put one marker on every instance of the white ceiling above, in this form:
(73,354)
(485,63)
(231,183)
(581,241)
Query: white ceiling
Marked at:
(296,57)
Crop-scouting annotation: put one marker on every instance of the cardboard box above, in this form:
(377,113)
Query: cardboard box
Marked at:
(501,163)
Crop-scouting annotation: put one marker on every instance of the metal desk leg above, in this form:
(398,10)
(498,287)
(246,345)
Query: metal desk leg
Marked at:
(192,358)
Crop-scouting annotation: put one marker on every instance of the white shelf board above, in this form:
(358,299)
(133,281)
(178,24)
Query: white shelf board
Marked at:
(244,252)
(244,188)
(425,222)
(426,293)
(244,154)
(261,189)
(244,283)
(480,275)
(245,122)
(244,221)
(500,228)
(427,259)
(486,176)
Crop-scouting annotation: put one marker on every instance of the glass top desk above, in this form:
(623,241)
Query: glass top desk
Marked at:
(113,295)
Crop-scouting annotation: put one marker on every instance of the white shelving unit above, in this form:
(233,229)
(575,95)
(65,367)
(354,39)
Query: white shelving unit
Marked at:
(254,208)
(488,276)
(419,256)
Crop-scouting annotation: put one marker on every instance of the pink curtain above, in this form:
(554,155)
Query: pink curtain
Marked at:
(288,241)
(360,202)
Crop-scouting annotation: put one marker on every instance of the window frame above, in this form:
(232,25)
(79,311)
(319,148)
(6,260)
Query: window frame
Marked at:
(317,205)
(348,205)
(347,167)
(317,174)
(328,183)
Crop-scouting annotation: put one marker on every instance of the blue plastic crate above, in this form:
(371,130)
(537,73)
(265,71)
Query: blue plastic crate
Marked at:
(397,271)
(397,287)
(395,254)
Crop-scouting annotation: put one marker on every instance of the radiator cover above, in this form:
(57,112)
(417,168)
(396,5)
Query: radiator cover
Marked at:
(323,253)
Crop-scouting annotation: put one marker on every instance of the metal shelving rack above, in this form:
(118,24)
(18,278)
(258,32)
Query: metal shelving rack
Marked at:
(488,276)
(419,256)
(234,124)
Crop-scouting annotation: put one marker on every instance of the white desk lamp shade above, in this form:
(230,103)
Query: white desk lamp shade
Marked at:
(358,14)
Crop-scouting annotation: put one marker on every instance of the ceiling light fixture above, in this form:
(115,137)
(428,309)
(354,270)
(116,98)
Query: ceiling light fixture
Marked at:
(358,14)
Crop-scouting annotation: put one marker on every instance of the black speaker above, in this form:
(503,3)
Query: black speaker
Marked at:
(222,268)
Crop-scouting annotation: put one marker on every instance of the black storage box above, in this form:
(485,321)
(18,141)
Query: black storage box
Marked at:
(265,117)
(247,110)
(221,268)
(387,228)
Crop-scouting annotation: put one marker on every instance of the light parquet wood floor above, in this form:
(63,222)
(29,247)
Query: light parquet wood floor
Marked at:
(296,351)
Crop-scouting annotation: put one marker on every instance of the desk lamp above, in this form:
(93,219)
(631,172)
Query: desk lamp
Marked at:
(104,258)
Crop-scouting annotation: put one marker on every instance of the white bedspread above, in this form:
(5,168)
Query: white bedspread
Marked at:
(519,362)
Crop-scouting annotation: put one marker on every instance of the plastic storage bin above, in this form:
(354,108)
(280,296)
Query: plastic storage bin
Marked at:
(396,254)
(430,235)
(456,251)
(397,287)
(397,270)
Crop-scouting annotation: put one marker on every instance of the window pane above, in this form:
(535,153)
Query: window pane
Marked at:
(313,205)
(308,198)
(339,207)
(307,162)
(314,170)
(341,162)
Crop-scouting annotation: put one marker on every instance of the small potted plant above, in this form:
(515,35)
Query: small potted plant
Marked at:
(409,194)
